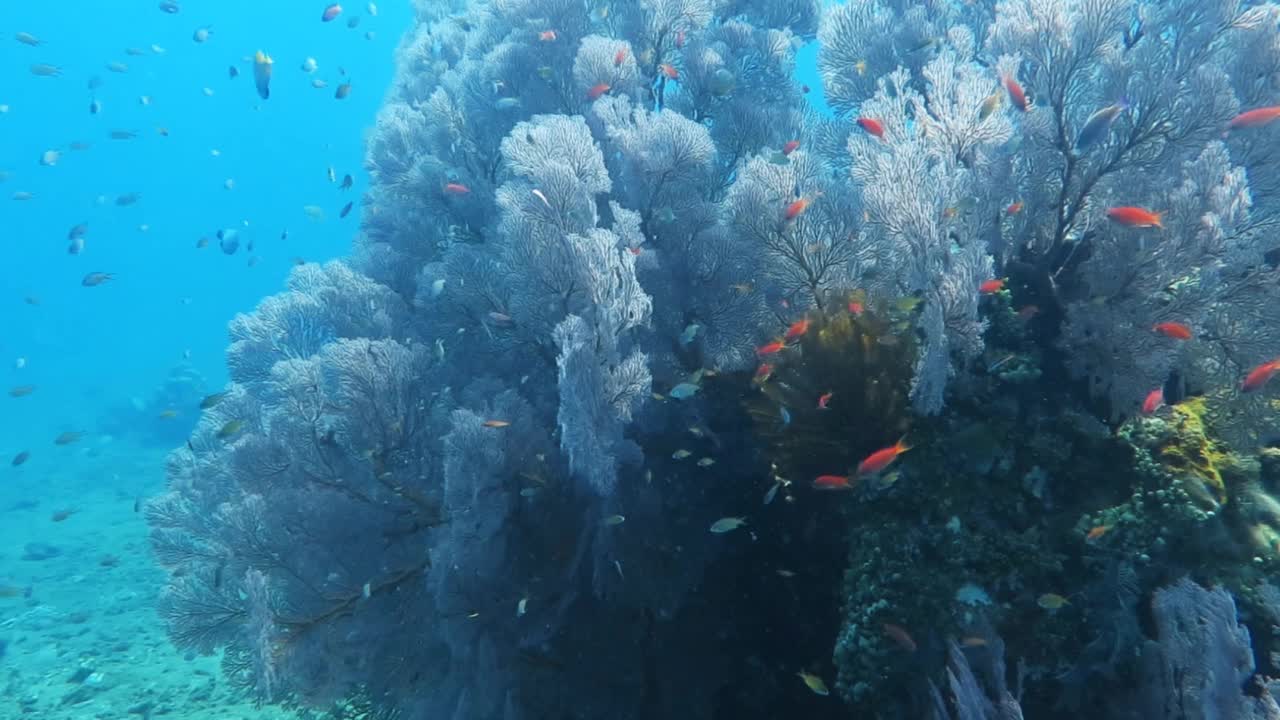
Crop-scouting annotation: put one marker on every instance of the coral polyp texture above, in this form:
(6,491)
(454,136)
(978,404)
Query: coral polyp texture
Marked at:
(652,391)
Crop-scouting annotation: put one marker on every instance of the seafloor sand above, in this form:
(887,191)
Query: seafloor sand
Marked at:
(87,643)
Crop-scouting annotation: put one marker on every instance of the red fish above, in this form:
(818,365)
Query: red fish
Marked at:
(597,90)
(1255,118)
(620,56)
(331,12)
(797,330)
(547,36)
(1259,376)
(992,286)
(669,70)
(456,189)
(872,126)
(795,208)
(1175,330)
(824,399)
(856,308)
(1154,400)
(790,147)
(1134,217)
(900,636)
(1016,94)
(1014,208)
(882,458)
(772,348)
(763,373)
(635,251)
(832,482)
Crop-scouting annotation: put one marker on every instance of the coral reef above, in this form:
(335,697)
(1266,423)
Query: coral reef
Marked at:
(1202,660)
(545,446)
(835,396)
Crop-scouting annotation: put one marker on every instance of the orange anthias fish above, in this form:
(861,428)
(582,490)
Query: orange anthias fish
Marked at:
(1014,208)
(772,348)
(825,399)
(763,373)
(620,56)
(832,482)
(881,459)
(797,207)
(1097,532)
(856,308)
(1259,376)
(547,36)
(669,70)
(1134,217)
(1175,330)
(1017,95)
(456,189)
(872,126)
(790,147)
(1153,402)
(597,90)
(797,330)
(899,635)
(1255,118)
(992,286)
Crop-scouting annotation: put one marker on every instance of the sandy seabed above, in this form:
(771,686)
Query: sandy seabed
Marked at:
(81,637)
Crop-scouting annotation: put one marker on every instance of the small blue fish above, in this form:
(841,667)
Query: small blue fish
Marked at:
(684,391)
(689,333)
(1098,125)
(785,414)
(773,492)
(1000,363)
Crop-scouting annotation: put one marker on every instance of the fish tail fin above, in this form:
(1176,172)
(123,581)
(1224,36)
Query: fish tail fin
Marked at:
(902,445)
(1159,220)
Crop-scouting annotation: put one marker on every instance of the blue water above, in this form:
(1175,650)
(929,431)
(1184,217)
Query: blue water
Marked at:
(78,630)
(91,348)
